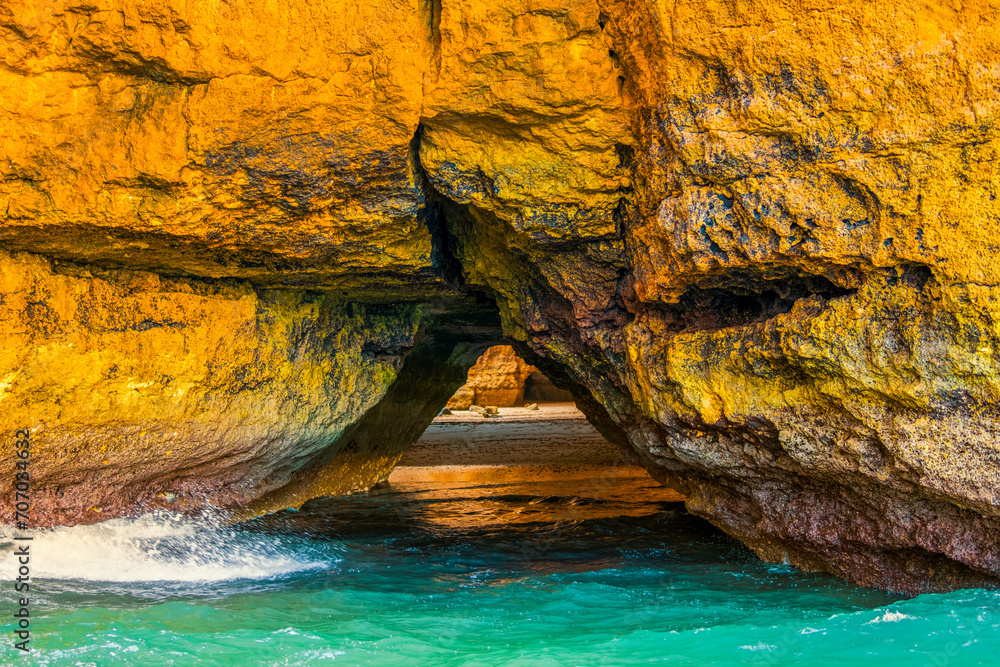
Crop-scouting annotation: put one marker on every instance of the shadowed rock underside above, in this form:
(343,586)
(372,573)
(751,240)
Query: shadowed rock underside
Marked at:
(759,245)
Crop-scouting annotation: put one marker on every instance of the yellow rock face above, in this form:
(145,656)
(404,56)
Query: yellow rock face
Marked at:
(261,140)
(855,136)
(837,163)
(759,238)
(801,330)
(522,115)
(136,386)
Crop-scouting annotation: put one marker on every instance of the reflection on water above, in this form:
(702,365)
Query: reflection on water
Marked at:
(459,509)
(594,573)
(497,533)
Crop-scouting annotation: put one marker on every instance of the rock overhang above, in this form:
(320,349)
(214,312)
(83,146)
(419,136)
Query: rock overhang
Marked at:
(750,242)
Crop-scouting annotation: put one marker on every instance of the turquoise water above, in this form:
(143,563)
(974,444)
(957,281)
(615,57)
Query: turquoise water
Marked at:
(467,575)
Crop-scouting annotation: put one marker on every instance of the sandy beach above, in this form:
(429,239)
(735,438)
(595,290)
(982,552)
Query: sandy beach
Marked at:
(555,445)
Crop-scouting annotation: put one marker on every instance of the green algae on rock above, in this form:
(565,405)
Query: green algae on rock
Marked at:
(758,242)
(135,386)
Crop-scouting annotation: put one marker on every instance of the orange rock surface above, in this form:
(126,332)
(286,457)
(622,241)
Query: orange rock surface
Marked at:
(502,379)
(498,377)
(759,240)
(259,140)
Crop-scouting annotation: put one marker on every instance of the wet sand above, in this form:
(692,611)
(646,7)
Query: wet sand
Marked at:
(554,445)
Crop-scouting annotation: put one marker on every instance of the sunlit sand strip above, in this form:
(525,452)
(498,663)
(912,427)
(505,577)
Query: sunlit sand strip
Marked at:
(410,478)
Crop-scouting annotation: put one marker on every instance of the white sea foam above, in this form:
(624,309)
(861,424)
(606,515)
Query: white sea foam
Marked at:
(891,617)
(759,646)
(160,546)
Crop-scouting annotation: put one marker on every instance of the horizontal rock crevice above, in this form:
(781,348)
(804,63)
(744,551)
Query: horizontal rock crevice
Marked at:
(757,249)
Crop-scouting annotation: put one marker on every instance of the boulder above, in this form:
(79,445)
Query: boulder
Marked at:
(462,399)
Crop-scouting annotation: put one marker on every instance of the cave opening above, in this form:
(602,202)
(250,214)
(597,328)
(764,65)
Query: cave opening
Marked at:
(510,433)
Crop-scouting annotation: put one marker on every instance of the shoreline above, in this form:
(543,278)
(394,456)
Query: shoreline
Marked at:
(554,445)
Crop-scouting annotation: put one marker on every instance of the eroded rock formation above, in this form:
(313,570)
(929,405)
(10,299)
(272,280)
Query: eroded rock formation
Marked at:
(498,377)
(137,386)
(501,378)
(759,242)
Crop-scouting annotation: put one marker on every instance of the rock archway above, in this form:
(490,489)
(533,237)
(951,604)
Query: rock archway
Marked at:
(758,247)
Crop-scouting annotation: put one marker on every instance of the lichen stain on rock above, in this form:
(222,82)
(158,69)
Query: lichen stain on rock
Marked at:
(758,242)
(858,144)
(135,386)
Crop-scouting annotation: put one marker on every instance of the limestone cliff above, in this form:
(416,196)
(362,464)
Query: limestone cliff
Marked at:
(759,240)
(799,330)
(502,379)
(268,141)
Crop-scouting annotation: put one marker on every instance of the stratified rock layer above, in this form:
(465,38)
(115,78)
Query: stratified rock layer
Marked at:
(257,140)
(758,240)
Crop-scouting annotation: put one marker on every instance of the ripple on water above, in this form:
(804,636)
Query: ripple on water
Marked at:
(464,575)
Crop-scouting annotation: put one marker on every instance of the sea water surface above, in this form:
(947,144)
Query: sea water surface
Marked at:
(466,574)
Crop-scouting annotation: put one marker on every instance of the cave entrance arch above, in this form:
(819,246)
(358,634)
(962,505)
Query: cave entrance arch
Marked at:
(509,431)
(555,442)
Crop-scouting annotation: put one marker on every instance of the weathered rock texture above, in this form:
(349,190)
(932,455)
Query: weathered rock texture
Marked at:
(759,240)
(369,449)
(498,377)
(138,388)
(259,140)
(791,309)
(503,379)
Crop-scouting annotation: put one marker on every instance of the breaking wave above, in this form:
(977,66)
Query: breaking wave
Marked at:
(163,546)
